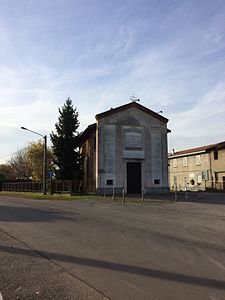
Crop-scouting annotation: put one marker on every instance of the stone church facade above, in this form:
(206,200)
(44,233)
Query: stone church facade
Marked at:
(126,149)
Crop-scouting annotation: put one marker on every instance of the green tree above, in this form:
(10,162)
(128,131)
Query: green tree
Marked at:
(35,155)
(65,143)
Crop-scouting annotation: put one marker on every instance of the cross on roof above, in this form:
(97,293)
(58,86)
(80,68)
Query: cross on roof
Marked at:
(134,98)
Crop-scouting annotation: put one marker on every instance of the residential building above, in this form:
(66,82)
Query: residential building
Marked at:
(126,149)
(198,168)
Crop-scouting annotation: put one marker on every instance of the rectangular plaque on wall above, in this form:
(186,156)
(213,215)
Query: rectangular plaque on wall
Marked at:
(133,140)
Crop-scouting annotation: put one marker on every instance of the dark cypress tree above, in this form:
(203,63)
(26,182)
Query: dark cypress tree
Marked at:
(66,142)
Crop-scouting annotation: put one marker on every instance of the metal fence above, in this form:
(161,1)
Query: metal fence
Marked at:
(22,186)
(62,186)
(204,186)
(53,186)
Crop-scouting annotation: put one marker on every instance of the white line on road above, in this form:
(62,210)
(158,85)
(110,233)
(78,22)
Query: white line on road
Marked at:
(213,260)
(134,287)
(1,298)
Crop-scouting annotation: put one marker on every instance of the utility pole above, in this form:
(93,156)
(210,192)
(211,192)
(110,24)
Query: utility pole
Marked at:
(45,166)
(44,159)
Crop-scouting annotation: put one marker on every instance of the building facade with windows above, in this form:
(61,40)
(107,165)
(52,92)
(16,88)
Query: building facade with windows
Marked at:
(126,149)
(198,168)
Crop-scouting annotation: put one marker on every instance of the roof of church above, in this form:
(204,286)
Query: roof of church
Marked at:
(88,132)
(128,106)
(92,127)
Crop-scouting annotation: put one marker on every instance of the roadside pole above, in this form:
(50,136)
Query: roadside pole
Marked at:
(142,195)
(113,192)
(175,194)
(123,195)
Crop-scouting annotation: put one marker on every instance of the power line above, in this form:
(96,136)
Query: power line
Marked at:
(8,155)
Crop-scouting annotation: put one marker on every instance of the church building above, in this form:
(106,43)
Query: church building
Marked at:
(126,149)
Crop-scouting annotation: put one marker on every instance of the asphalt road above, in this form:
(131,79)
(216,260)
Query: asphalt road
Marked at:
(105,250)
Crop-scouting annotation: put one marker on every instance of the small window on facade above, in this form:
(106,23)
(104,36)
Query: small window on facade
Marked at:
(215,154)
(175,163)
(205,175)
(94,142)
(109,182)
(185,161)
(156,181)
(198,160)
(175,180)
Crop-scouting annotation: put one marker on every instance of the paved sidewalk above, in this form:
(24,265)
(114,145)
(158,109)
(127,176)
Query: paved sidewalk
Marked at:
(21,276)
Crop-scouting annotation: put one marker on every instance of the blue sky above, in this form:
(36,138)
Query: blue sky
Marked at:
(170,54)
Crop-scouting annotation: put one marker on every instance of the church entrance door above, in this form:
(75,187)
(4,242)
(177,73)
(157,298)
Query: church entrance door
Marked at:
(133,177)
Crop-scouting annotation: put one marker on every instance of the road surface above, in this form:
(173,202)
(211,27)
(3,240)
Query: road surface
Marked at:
(105,250)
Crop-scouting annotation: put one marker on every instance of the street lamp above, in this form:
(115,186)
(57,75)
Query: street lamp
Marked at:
(44,159)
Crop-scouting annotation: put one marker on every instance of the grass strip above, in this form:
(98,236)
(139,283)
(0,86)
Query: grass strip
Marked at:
(80,197)
(40,196)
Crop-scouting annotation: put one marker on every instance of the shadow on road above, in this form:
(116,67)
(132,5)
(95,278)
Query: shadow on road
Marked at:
(101,264)
(27,214)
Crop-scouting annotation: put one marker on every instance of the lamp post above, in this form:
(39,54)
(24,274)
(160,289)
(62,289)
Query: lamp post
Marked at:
(44,158)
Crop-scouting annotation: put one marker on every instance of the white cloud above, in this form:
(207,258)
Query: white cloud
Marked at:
(201,124)
(170,55)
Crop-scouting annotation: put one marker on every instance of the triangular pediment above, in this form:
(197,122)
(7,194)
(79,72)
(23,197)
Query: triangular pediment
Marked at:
(130,105)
